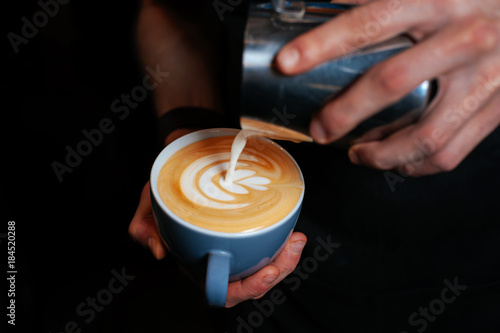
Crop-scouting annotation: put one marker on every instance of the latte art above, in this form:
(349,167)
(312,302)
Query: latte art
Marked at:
(202,183)
(265,187)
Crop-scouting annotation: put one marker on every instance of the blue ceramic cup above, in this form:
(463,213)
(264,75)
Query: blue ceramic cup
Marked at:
(220,256)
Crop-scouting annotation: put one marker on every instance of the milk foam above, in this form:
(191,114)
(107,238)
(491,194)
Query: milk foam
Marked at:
(202,189)
(266,185)
(236,148)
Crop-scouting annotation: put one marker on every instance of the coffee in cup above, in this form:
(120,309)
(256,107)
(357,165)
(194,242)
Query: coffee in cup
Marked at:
(224,234)
(266,185)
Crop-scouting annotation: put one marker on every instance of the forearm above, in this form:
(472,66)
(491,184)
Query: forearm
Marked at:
(186,50)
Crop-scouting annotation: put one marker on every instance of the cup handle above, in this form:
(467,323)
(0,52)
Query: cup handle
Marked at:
(217,278)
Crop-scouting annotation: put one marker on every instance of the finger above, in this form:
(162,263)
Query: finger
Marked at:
(350,31)
(259,283)
(408,143)
(415,143)
(352,2)
(142,228)
(468,137)
(252,286)
(290,256)
(391,80)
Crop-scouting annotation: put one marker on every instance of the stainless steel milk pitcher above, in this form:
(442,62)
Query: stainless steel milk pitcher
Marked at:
(282,106)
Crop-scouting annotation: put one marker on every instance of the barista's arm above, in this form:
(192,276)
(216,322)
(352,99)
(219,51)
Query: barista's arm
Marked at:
(458,42)
(179,42)
(175,39)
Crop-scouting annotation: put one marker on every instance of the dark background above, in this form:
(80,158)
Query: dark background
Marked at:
(71,234)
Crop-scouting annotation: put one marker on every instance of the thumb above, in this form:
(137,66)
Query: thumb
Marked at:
(142,228)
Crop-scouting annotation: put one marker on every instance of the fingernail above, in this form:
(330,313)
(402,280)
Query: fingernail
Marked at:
(297,247)
(270,279)
(353,156)
(318,131)
(288,57)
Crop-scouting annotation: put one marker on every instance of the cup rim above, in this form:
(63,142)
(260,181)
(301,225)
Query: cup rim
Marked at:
(193,137)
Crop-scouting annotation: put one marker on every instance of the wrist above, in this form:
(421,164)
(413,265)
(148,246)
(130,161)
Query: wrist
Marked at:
(180,121)
(174,135)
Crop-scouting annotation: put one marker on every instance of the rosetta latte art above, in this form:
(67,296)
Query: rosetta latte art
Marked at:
(209,189)
(266,185)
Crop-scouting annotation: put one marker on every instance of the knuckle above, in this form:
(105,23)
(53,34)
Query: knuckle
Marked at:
(138,230)
(380,164)
(493,81)
(134,229)
(424,132)
(481,35)
(258,292)
(358,19)
(444,161)
(374,159)
(337,121)
(287,268)
(389,78)
(285,271)
(309,47)
(247,292)
(456,8)
(489,81)
(424,140)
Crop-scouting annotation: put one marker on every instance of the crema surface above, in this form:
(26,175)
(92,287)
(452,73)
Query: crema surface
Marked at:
(266,185)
